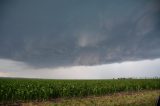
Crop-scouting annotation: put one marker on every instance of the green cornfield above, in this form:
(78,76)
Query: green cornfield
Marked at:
(39,89)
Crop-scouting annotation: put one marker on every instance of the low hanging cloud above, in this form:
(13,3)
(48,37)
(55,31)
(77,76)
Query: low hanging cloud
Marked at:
(79,33)
(136,69)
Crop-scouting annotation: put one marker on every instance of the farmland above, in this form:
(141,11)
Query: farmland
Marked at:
(141,98)
(12,90)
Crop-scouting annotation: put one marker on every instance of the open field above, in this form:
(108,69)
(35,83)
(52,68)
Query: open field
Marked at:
(142,98)
(25,90)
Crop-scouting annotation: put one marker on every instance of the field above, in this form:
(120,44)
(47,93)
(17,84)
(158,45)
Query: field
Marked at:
(141,98)
(13,90)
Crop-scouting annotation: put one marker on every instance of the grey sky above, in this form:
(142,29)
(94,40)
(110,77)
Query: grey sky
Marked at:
(136,69)
(70,33)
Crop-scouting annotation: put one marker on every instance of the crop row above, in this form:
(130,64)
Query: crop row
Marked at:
(36,89)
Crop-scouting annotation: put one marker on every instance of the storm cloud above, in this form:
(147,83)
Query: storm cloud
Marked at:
(54,33)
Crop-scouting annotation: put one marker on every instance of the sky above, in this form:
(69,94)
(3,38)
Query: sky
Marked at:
(80,39)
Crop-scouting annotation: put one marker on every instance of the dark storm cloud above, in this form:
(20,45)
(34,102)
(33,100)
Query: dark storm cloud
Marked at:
(79,32)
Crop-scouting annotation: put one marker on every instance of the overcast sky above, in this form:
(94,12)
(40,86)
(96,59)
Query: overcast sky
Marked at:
(79,38)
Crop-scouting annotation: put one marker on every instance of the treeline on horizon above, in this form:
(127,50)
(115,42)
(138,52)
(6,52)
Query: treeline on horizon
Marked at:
(119,78)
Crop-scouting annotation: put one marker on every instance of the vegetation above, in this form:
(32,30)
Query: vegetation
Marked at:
(37,89)
(142,98)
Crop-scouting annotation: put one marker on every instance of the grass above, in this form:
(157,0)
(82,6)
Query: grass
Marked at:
(142,98)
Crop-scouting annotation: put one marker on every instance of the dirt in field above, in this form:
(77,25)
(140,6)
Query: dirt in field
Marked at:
(145,98)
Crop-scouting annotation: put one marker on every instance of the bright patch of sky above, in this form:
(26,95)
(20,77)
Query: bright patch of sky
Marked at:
(135,69)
